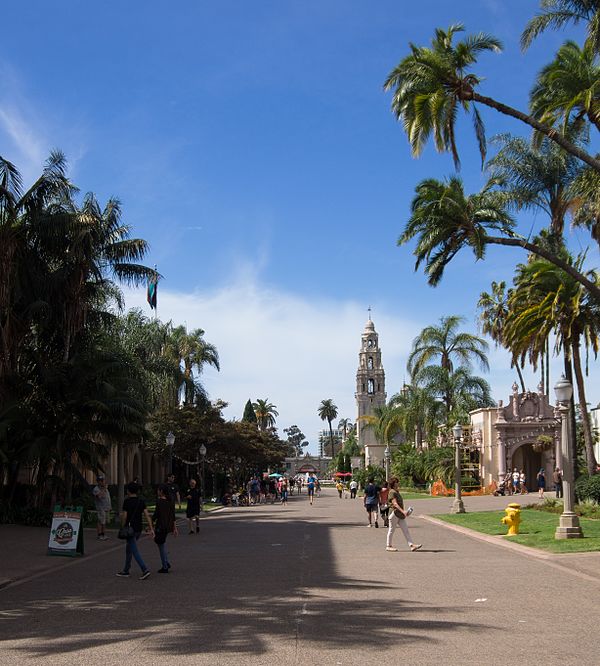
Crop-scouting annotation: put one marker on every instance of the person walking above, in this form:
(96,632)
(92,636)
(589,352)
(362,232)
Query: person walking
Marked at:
(384,508)
(131,515)
(353,489)
(284,490)
(310,487)
(192,510)
(339,486)
(173,491)
(164,524)
(522,482)
(541,482)
(515,481)
(103,506)
(371,501)
(398,518)
(557,480)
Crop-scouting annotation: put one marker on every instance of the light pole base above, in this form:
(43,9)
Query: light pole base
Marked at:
(458,507)
(568,527)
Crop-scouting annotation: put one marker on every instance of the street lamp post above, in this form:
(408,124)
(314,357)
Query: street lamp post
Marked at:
(170,440)
(387,456)
(457,505)
(568,526)
(202,451)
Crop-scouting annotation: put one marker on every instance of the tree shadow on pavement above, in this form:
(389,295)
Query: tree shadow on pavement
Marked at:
(245,585)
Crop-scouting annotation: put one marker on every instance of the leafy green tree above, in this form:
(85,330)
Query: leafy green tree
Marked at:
(249,413)
(419,412)
(385,422)
(296,439)
(328,412)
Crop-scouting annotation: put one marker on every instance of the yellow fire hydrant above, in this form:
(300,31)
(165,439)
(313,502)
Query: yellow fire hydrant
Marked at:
(512,518)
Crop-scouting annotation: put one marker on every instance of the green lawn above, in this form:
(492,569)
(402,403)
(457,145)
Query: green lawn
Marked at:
(536,530)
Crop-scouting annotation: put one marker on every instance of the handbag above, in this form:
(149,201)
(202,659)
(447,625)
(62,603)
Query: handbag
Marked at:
(126,531)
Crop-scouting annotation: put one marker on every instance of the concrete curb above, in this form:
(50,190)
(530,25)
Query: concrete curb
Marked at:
(549,559)
(496,540)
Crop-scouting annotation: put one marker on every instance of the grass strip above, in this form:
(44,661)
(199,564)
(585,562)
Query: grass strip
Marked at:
(536,530)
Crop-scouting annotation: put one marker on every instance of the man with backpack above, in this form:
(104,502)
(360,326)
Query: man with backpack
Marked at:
(371,501)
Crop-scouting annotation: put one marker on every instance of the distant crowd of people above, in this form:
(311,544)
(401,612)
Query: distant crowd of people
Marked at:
(515,483)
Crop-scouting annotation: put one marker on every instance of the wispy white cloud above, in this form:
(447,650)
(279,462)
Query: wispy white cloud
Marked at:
(297,351)
(290,349)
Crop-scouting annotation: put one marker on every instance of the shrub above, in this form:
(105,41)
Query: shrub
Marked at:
(588,488)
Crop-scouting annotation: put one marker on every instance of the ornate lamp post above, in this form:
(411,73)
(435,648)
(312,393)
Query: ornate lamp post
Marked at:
(457,505)
(568,526)
(387,457)
(170,440)
(202,452)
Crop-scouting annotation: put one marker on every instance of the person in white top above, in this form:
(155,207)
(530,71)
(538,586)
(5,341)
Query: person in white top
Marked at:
(353,489)
(515,480)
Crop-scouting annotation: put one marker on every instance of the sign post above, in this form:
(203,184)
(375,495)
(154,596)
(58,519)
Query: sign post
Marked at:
(66,532)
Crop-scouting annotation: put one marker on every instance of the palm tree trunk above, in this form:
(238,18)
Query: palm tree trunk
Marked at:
(552,258)
(585,415)
(548,131)
(515,364)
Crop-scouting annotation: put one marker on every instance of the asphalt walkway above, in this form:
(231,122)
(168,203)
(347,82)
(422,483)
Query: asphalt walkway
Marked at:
(296,585)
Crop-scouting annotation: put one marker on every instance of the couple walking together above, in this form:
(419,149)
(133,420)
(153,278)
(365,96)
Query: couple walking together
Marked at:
(392,505)
(160,525)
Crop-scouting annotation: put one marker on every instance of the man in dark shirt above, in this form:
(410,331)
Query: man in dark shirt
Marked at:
(131,514)
(173,489)
(371,501)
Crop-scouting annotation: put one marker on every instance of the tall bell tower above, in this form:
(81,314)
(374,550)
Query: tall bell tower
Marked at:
(370,392)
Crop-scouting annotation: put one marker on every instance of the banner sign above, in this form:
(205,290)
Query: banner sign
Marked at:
(66,532)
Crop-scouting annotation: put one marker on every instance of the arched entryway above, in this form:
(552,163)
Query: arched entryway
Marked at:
(525,458)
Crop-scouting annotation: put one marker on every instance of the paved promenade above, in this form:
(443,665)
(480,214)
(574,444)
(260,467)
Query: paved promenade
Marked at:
(298,585)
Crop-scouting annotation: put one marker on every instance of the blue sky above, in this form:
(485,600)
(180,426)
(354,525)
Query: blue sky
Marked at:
(252,145)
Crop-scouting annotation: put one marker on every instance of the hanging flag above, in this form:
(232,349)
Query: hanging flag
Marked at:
(151,292)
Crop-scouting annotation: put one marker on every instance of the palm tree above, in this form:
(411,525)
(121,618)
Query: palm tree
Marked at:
(28,222)
(556,14)
(386,422)
(493,313)
(568,88)
(431,85)
(536,178)
(445,345)
(419,412)
(458,390)
(328,412)
(345,425)
(193,352)
(547,300)
(265,413)
(446,220)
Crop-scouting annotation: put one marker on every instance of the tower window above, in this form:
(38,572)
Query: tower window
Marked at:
(370,363)
(370,386)
(363,387)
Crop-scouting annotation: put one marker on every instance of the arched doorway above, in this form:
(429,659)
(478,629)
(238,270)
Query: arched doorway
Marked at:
(528,460)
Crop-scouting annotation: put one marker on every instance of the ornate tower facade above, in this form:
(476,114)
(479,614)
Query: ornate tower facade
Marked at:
(370,392)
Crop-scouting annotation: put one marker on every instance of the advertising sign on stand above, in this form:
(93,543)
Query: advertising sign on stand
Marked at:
(66,532)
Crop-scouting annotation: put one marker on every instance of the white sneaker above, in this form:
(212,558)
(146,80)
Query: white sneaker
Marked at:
(409,511)
(391,550)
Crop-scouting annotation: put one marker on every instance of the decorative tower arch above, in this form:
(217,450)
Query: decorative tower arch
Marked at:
(370,392)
